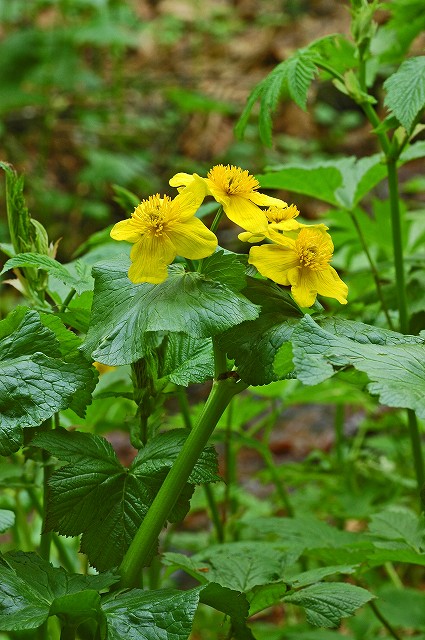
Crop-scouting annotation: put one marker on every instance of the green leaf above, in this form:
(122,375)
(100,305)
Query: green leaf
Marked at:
(327,603)
(188,360)
(83,282)
(29,586)
(398,523)
(227,268)
(20,605)
(253,345)
(320,180)
(7,519)
(77,608)
(343,182)
(315,538)
(236,565)
(34,385)
(142,615)
(264,596)
(233,604)
(394,363)
(123,313)
(406,91)
(94,495)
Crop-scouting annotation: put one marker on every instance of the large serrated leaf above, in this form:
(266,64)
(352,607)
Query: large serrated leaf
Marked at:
(124,314)
(29,586)
(94,495)
(394,363)
(406,91)
(150,615)
(253,345)
(326,603)
(37,379)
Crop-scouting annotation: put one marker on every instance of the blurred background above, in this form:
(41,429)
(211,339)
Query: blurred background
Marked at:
(128,92)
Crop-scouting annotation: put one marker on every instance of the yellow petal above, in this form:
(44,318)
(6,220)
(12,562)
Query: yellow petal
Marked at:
(181,180)
(247,236)
(266,201)
(303,287)
(329,284)
(150,258)
(192,239)
(246,214)
(274,261)
(190,198)
(125,230)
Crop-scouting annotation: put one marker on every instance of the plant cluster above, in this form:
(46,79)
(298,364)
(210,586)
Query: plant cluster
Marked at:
(110,339)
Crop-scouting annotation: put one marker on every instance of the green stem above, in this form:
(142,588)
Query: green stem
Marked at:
(415,438)
(230,475)
(185,411)
(373,268)
(384,621)
(67,300)
(143,544)
(217,219)
(280,487)
(397,244)
(339,433)
(418,461)
(215,516)
(46,537)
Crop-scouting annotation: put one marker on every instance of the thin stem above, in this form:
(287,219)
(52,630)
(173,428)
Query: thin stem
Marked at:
(46,536)
(215,516)
(373,268)
(397,245)
(416,443)
(143,544)
(339,433)
(217,219)
(280,487)
(67,300)
(184,406)
(230,478)
(384,621)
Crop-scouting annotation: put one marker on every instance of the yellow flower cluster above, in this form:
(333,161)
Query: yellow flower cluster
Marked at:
(162,228)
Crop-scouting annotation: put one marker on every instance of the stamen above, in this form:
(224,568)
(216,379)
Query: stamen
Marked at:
(151,215)
(314,249)
(233,180)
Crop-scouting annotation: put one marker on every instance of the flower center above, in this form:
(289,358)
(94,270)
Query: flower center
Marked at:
(150,216)
(314,249)
(278,214)
(232,180)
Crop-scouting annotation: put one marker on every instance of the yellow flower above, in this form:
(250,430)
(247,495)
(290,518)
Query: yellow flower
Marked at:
(163,228)
(280,220)
(303,264)
(236,190)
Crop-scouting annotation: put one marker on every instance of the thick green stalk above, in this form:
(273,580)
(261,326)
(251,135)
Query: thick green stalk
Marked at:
(400,277)
(415,437)
(143,544)
(215,516)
